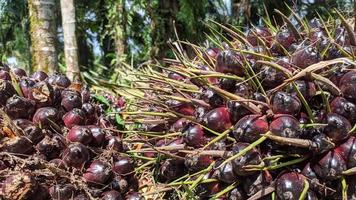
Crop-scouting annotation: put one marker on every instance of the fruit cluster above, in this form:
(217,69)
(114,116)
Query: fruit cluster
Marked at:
(57,143)
(267,114)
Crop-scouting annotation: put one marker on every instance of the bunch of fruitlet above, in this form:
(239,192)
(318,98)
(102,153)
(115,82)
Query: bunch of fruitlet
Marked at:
(57,143)
(267,114)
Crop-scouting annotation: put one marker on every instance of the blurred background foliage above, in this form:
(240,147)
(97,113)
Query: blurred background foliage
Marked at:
(133,31)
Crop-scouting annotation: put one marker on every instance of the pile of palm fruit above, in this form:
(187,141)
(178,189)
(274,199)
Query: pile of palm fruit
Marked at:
(264,114)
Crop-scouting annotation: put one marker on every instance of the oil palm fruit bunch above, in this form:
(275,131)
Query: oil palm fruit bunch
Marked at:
(57,141)
(267,113)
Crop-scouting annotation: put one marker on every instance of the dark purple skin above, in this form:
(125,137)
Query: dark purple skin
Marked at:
(19,72)
(179,125)
(43,94)
(171,169)
(330,166)
(26,84)
(347,86)
(212,98)
(59,80)
(76,155)
(90,112)
(307,89)
(229,62)
(111,195)
(271,77)
(227,84)
(290,186)
(71,100)
(6,91)
(237,111)
(259,32)
(73,118)
(252,157)
(80,134)
(114,143)
(133,196)
(226,173)
(50,148)
(305,56)
(285,126)
(45,117)
(338,127)
(119,184)
(17,145)
(39,76)
(348,151)
(313,179)
(19,107)
(285,37)
(345,108)
(194,135)
(62,192)
(99,172)
(284,103)
(98,135)
(123,166)
(217,119)
(250,128)
(195,163)
(5,75)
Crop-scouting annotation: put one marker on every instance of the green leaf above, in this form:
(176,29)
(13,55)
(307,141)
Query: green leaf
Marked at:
(119,120)
(102,100)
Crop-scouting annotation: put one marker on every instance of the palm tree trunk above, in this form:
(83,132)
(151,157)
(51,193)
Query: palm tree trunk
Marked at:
(70,40)
(120,32)
(43,35)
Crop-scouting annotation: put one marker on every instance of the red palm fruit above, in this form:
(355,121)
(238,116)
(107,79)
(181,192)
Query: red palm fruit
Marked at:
(26,84)
(19,107)
(50,147)
(90,113)
(134,196)
(321,144)
(119,184)
(242,90)
(58,80)
(42,93)
(98,135)
(345,108)
(312,177)
(74,117)
(212,98)
(250,128)
(17,145)
(98,172)
(80,134)
(195,163)
(71,100)
(285,126)
(123,166)
(271,77)
(259,32)
(6,91)
(5,75)
(290,186)
(226,173)
(228,84)
(284,103)
(39,76)
(85,94)
(237,111)
(45,117)
(252,157)
(330,166)
(347,85)
(19,72)
(307,89)
(62,192)
(338,127)
(285,37)
(175,76)
(194,135)
(305,56)
(348,151)
(182,108)
(229,62)
(20,185)
(114,143)
(76,155)
(217,119)
(179,125)
(111,195)
(171,169)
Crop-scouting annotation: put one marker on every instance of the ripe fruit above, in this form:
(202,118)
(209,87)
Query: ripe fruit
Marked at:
(80,134)
(194,135)
(111,195)
(307,89)
(39,76)
(229,62)
(345,108)
(262,33)
(348,151)
(50,148)
(45,117)
(338,127)
(284,103)
(6,91)
(42,94)
(290,186)
(348,85)
(249,128)
(330,166)
(58,80)
(217,119)
(71,100)
(19,107)
(252,157)
(26,84)
(226,173)
(305,56)
(271,77)
(196,163)
(237,111)
(62,192)
(98,172)
(74,117)
(123,166)
(285,126)
(171,169)
(285,37)
(76,155)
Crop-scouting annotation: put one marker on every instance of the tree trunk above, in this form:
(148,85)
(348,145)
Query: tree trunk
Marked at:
(120,32)
(70,40)
(43,35)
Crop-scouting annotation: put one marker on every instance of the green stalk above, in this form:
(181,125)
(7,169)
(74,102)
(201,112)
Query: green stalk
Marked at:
(224,191)
(219,137)
(303,195)
(344,188)
(292,162)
